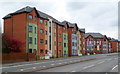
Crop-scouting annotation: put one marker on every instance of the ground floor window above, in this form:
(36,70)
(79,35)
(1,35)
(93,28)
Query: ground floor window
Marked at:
(64,52)
(30,50)
(41,51)
(59,51)
(46,51)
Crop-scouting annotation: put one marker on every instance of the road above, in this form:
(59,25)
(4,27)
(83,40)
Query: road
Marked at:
(92,63)
(106,64)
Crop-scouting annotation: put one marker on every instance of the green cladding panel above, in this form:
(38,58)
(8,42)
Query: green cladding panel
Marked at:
(65,44)
(33,35)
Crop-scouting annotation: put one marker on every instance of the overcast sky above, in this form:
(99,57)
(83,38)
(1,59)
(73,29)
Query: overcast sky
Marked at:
(98,16)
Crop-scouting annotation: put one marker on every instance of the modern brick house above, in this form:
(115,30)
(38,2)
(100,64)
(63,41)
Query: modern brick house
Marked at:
(109,45)
(78,43)
(47,37)
(105,44)
(72,39)
(114,45)
(65,39)
(94,43)
(118,46)
(59,40)
(82,40)
(35,28)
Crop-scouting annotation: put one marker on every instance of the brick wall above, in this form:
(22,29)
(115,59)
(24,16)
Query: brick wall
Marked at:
(17,57)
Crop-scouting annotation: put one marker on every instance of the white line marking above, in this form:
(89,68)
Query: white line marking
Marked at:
(36,63)
(109,59)
(60,63)
(22,65)
(73,71)
(114,67)
(21,69)
(65,62)
(44,66)
(60,60)
(101,62)
(52,64)
(34,67)
(88,66)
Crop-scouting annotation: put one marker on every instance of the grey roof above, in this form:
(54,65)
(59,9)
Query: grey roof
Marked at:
(29,9)
(69,24)
(94,35)
(64,22)
(82,29)
(112,39)
(26,9)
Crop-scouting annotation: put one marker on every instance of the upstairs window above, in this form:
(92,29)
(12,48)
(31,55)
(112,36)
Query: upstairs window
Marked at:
(45,41)
(41,21)
(59,44)
(54,25)
(64,28)
(64,44)
(30,17)
(59,35)
(41,41)
(54,34)
(72,30)
(45,22)
(35,18)
(64,37)
(41,31)
(35,30)
(35,41)
(55,43)
(45,32)
(30,40)
(30,28)
(59,27)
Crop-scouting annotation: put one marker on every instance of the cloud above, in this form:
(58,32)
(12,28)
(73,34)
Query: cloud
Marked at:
(93,16)
(96,16)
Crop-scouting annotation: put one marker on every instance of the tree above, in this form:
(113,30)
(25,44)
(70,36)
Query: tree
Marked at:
(10,44)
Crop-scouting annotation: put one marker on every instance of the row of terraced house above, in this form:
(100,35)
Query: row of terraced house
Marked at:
(49,37)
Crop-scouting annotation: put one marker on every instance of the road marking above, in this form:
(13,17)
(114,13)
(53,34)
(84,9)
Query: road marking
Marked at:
(70,61)
(109,59)
(34,67)
(73,71)
(114,67)
(88,66)
(21,69)
(60,60)
(36,63)
(44,66)
(65,62)
(52,64)
(60,63)
(22,65)
(101,62)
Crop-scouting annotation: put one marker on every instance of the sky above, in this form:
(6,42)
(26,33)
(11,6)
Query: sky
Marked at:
(93,15)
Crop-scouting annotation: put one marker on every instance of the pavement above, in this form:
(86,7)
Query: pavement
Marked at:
(92,63)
